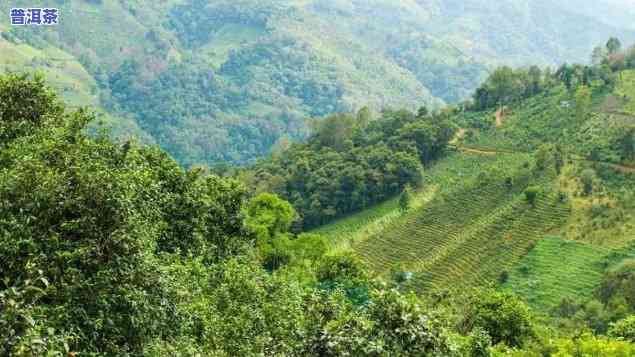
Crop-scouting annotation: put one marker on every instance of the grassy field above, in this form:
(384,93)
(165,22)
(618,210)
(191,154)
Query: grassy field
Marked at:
(62,71)
(556,269)
(626,89)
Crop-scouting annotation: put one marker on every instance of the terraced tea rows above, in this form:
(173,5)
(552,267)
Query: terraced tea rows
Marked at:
(557,269)
(477,227)
(493,245)
(442,177)
(465,199)
(429,230)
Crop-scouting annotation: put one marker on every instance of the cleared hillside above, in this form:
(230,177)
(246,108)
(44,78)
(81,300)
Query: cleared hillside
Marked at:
(471,232)
(477,226)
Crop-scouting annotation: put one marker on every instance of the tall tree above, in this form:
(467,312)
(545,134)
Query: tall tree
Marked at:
(598,56)
(405,199)
(613,46)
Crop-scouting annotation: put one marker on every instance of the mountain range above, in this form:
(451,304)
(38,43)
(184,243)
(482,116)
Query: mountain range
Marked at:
(225,81)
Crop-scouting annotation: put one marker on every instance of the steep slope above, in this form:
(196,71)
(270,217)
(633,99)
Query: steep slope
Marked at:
(477,225)
(472,231)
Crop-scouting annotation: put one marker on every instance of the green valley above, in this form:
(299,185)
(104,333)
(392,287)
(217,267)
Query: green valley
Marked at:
(318,178)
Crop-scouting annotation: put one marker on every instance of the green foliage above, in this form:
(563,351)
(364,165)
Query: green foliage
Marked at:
(619,286)
(503,316)
(90,215)
(90,238)
(588,345)
(558,159)
(216,107)
(543,156)
(479,343)
(582,102)
(405,199)
(407,330)
(347,166)
(531,194)
(113,249)
(613,46)
(110,248)
(624,329)
(341,268)
(269,216)
(196,21)
(23,331)
(25,105)
(588,179)
(506,85)
(224,81)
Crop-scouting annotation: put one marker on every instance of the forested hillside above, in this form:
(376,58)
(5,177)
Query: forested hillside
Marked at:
(225,81)
(535,195)
(353,162)
(112,249)
(383,178)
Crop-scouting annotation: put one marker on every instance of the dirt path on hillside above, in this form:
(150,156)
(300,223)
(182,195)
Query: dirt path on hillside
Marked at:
(500,117)
(479,151)
(625,169)
(460,134)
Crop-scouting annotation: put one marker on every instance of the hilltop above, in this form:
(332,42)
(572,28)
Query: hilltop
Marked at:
(227,81)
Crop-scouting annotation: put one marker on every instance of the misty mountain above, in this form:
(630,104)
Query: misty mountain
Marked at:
(217,81)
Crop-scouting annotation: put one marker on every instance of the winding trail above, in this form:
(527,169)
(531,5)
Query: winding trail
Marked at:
(626,169)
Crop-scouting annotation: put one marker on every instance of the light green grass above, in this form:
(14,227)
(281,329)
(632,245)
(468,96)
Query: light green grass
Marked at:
(350,225)
(556,269)
(472,229)
(65,74)
(626,88)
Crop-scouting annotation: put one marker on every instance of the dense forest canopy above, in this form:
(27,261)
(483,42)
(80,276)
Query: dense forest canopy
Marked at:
(353,162)
(226,81)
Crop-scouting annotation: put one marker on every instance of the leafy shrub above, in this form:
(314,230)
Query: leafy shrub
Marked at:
(589,345)
(25,104)
(588,178)
(503,316)
(531,194)
(624,329)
